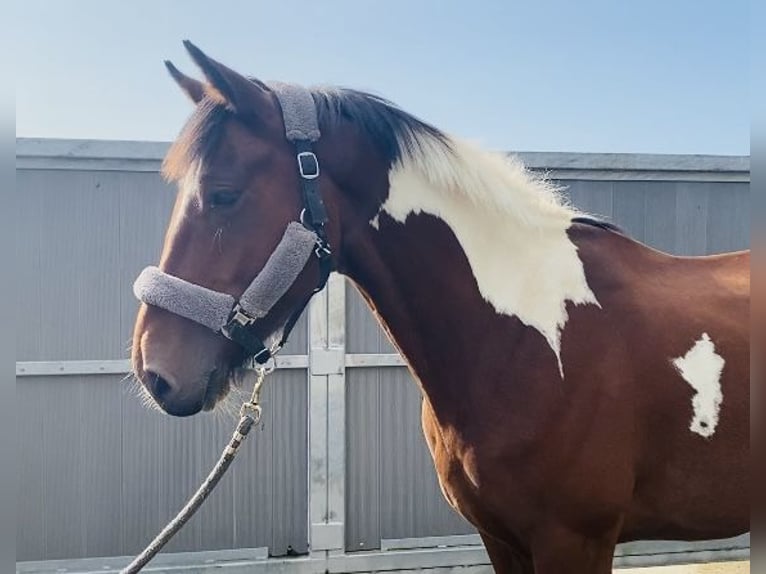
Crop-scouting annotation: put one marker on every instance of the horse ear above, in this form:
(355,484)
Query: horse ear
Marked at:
(243,95)
(193,88)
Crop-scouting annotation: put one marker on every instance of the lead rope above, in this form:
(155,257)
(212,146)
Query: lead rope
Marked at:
(250,415)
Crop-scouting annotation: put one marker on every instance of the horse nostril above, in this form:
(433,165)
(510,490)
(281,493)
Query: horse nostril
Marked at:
(171,397)
(157,386)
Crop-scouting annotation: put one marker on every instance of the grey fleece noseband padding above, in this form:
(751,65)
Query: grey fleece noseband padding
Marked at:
(213,308)
(280,271)
(205,306)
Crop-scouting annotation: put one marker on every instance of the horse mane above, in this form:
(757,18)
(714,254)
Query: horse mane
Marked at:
(598,222)
(494,180)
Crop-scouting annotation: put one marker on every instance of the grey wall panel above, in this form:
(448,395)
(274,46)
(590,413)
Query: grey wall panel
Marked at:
(363,472)
(297,344)
(629,207)
(180,473)
(392,489)
(728,218)
(660,216)
(289,407)
(592,197)
(60,410)
(691,217)
(253,480)
(363,334)
(29,315)
(100,474)
(141,446)
(216,522)
(79,262)
(411,501)
(30,469)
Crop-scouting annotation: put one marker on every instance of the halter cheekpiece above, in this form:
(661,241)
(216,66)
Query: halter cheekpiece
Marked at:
(235,319)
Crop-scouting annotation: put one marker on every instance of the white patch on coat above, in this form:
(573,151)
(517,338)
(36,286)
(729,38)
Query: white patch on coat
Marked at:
(701,367)
(511,226)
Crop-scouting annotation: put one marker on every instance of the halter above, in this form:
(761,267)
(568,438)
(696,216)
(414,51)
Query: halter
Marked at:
(235,319)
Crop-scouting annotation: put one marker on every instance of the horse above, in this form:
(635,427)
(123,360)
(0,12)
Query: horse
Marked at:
(580,389)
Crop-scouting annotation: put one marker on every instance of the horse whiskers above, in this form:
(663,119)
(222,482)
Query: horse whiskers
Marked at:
(228,407)
(134,387)
(130,378)
(131,383)
(218,238)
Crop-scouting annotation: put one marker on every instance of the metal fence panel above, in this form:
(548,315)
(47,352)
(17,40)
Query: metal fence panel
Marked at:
(74,272)
(363,504)
(680,217)
(99,474)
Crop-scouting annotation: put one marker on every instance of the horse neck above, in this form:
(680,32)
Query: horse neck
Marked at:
(450,276)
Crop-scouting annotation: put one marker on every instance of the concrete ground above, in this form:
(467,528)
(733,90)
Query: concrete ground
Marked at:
(720,568)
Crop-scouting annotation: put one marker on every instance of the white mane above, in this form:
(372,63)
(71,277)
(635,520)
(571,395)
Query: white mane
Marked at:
(491,180)
(511,225)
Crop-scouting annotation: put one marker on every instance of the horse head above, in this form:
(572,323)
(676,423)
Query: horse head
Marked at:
(241,184)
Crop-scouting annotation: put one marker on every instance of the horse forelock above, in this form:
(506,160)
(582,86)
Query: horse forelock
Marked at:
(197,140)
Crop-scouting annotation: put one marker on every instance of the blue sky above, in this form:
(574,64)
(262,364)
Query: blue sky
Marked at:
(654,76)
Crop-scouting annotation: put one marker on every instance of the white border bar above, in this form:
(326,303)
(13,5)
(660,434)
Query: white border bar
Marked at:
(122,366)
(163,561)
(470,560)
(392,544)
(53,368)
(116,367)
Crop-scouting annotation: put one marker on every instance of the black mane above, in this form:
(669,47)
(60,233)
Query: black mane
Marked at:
(596,222)
(393,130)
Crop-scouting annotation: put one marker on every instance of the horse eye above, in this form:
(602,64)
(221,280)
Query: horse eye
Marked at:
(222,198)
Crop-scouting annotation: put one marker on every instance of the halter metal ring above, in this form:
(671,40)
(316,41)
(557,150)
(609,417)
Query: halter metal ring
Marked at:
(308,165)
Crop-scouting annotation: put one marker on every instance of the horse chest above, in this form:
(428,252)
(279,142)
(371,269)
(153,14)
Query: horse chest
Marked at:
(457,471)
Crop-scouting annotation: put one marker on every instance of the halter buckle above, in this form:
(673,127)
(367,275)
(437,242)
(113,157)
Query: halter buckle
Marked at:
(308,165)
(240,316)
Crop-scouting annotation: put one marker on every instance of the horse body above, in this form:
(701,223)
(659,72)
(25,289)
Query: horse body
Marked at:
(603,454)
(580,389)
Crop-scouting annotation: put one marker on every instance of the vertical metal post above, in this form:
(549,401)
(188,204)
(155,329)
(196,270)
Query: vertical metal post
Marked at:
(327,418)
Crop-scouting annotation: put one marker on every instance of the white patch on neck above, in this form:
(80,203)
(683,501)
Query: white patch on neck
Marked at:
(701,367)
(512,228)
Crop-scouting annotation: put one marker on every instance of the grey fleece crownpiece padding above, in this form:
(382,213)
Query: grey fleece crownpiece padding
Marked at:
(212,308)
(205,306)
(280,271)
(298,110)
